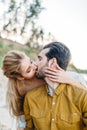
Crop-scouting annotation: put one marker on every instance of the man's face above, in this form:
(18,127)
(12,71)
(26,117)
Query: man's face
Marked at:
(41,63)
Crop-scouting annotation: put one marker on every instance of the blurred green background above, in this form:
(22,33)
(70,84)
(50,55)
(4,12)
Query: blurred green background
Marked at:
(7,45)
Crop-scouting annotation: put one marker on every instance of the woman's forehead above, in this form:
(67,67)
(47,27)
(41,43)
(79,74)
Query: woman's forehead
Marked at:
(25,63)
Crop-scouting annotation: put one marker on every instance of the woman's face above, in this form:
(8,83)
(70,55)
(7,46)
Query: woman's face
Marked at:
(28,69)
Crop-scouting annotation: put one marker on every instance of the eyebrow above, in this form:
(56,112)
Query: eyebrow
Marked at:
(39,56)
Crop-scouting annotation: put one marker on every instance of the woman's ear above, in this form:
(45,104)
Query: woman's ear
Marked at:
(20,78)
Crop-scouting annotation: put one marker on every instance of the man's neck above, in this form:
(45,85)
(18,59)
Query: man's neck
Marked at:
(51,84)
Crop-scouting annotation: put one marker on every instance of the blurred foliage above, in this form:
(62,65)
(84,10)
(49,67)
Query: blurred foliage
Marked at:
(6,46)
(22,18)
(78,70)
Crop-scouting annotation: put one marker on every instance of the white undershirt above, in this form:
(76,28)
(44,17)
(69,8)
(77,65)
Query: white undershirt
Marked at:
(51,90)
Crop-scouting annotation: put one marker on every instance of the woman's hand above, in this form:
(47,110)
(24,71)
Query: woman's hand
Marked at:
(57,75)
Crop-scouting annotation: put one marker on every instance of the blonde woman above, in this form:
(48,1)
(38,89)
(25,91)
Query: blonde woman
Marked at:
(21,78)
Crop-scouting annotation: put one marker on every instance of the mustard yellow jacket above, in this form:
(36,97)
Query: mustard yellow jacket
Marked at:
(66,110)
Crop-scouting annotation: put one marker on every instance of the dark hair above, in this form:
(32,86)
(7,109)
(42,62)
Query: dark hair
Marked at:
(60,52)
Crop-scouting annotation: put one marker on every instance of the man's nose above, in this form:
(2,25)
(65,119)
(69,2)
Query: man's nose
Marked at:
(35,65)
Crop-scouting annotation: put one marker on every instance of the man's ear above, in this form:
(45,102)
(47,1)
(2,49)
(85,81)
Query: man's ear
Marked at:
(52,63)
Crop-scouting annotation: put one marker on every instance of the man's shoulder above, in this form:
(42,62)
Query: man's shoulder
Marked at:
(77,90)
(35,91)
(81,89)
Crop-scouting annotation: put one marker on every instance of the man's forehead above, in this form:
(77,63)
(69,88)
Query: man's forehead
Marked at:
(43,52)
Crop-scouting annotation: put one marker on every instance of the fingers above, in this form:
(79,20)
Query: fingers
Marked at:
(55,75)
(47,72)
(54,72)
(52,78)
(50,69)
(58,67)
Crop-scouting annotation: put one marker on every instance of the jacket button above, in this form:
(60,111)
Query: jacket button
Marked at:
(52,119)
(53,103)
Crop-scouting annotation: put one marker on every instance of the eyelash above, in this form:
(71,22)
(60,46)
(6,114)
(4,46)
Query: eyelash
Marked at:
(28,71)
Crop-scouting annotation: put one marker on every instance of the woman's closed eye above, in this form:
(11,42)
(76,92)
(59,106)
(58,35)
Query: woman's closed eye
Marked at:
(28,71)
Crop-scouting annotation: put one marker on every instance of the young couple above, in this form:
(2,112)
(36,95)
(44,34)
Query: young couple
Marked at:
(51,101)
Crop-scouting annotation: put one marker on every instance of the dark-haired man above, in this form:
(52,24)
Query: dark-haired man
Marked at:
(55,106)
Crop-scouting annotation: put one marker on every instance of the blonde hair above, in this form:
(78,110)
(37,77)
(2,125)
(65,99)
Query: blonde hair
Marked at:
(11,68)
